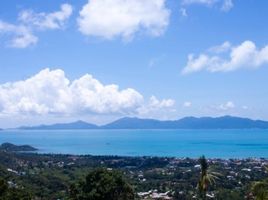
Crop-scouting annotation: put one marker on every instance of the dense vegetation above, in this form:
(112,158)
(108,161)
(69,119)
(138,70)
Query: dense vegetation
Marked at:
(35,176)
(101,184)
(12,193)
(13,148)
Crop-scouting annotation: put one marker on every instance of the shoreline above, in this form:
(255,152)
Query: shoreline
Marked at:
(148,156)
(175,177)
(34,150)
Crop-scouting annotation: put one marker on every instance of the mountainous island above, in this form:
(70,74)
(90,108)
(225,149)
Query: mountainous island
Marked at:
(63,126)
(225,122)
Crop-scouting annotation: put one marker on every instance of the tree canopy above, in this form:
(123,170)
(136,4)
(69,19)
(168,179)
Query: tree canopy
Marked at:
(102,184)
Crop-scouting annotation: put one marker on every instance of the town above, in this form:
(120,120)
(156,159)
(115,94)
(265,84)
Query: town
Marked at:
(49,176)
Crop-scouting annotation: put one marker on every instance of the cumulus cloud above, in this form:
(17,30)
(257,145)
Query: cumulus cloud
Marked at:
(123,18)
(165,103)
(98,98)
(226,46)
(50,93)
(156,108)
(245,55)
(22,33)
(54,20)
(225,5)
(227,106)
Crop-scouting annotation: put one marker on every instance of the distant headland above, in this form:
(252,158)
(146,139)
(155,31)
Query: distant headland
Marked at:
(16,148)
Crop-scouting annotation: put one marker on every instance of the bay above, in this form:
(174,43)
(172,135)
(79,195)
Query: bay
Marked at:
(171,143)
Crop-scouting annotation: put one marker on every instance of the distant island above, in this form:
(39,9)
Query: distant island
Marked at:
(73,125)
(225,122)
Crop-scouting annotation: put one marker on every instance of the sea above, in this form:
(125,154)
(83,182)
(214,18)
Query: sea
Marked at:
(223,144)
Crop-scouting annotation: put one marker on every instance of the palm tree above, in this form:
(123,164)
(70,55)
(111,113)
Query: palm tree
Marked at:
(260,190)
(206,177)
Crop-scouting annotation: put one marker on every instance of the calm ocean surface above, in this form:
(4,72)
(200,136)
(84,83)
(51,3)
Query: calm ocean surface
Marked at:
(178,143)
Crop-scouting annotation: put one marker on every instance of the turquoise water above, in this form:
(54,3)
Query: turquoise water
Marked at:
(178,143)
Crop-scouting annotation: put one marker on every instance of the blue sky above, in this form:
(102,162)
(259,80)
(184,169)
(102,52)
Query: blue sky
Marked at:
(178,57)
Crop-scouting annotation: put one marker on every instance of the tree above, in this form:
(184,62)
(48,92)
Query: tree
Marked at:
(7,193)
(260,189)
(3,188)
(206,177)
(102,184)
(17,194)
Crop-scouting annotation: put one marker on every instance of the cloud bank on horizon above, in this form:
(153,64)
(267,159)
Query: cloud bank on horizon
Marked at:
(50,92)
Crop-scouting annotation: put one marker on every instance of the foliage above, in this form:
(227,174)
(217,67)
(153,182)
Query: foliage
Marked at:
(260,190)
(206,177)
(3,188)
(12,193)
(102,184)
(55,176)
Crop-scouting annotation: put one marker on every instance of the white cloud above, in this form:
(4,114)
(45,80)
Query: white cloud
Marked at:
(245,55)
(165,103)
(123,18)
(157,108)
(227,106)
(204,2)
(225,5)
(54,20)
(22,34)
(50,93)
(187,104)
(226,46)
(98,98)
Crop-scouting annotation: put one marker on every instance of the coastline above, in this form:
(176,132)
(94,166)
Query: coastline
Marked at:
(236,144)
(149,176)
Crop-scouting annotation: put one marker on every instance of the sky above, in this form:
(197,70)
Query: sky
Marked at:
(100,60)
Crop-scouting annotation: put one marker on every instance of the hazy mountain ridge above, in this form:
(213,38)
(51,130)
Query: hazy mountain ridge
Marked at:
(225,122)
(62,126)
